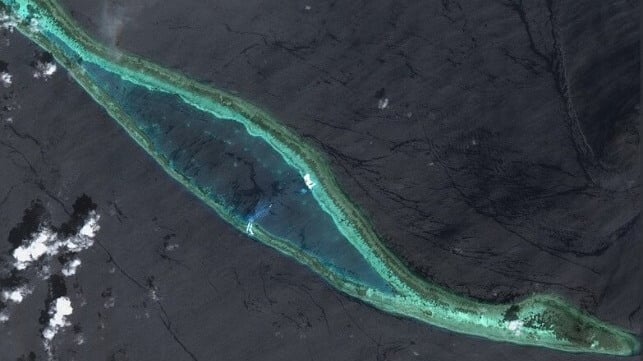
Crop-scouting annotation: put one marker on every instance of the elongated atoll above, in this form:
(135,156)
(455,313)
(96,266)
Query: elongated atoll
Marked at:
(357,263)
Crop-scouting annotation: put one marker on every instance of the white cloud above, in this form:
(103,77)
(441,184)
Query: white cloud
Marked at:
(5,79)
(4,316)
(515,326)
(15,295)
(171,246)
(154,295)
(382,103)
(91,225)
(69,269)
(47,242)
(59,309)
(34,25)
(40,244)
(44,70)
(110,302)
(7,21)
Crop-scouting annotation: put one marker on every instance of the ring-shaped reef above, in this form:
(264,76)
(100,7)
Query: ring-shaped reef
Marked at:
(266,181)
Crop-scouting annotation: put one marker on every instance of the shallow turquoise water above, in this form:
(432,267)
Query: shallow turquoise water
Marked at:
(240,171)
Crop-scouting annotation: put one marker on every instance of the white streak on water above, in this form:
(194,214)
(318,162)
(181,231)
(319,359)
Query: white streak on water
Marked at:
(309,182)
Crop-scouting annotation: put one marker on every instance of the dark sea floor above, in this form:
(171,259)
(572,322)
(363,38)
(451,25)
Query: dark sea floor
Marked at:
(505,162)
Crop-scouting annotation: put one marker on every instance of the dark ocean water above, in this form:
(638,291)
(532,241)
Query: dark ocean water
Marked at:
(505,162)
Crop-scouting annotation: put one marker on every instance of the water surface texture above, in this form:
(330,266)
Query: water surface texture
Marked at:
(267,182)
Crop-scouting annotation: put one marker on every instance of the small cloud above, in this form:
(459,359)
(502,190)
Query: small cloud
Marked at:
(59,310)
(34,25)
(7,22)
(110,302)
(69,269)
(4,316)
(91,225)
(47,242)
(515,326)
(37,252)
(44,66)
(5,79)
(40,244)
(15,295)
(36,249)
(382,103)
(44,70)
(171,246)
